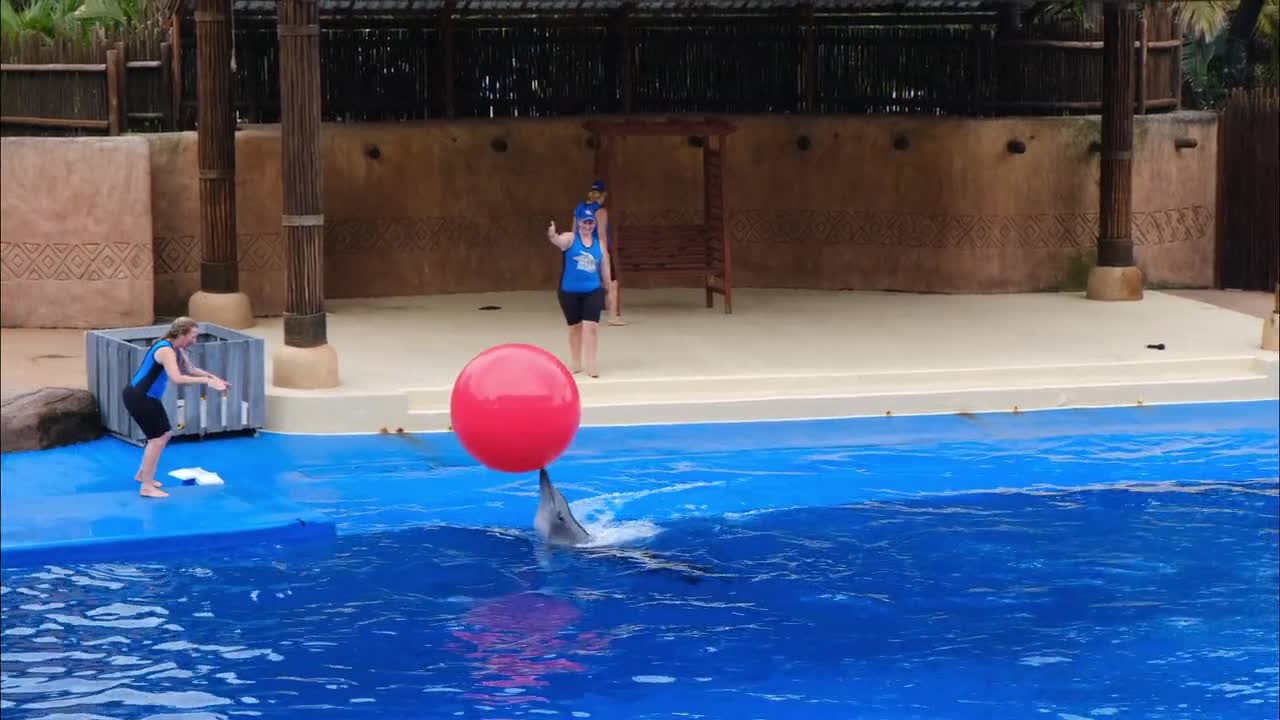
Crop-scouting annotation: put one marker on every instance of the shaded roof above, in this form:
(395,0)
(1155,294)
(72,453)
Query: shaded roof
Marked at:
(499,6)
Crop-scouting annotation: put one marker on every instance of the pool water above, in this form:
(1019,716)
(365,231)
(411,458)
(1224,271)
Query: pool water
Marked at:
(1153,594)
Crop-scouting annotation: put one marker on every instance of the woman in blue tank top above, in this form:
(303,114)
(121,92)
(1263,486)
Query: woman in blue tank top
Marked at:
(163,362)
(595,200)
(584,275)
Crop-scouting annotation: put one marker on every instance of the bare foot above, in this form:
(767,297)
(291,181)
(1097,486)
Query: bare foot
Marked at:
(575,369)
(152,491)
(140,479)
(617,322)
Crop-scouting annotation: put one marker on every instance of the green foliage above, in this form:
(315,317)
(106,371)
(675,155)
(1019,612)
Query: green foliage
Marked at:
(1213,62)
(68,20)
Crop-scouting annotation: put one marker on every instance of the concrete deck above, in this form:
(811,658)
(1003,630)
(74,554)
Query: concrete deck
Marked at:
(792,354)
(79,503)
(782,354)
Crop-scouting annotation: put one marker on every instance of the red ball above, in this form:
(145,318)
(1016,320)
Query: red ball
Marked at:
(515,408)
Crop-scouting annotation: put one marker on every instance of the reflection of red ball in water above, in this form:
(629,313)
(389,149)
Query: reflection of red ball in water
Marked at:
(518,640)
(515,408)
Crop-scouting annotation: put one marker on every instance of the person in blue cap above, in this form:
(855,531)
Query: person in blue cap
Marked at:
(584,275)
(595,200)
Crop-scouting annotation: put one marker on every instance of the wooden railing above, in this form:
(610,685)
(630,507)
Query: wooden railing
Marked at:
(101,88)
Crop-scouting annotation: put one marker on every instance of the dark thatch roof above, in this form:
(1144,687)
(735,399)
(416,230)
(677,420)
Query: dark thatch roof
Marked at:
(646,6)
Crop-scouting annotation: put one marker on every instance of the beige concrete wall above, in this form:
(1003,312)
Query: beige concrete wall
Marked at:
(439,211)
(75,232)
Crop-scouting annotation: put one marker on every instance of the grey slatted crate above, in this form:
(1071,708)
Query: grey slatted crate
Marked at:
(113,356)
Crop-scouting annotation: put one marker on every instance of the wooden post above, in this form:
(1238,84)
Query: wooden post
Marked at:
(1177,75)
(175,42)
(1116,277)
(303,219)
(624,57)
(1115,245)
(808,60)
(219,299)
(215,140)
(726,241)
(446,56)
(1142,65)
(123,73)
(113,92)
(166,92)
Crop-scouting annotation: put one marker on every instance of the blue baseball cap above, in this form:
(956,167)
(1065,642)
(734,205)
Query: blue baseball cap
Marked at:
(582,212)
(598,186)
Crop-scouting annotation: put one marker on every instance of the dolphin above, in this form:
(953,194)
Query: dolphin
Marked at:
(554,521)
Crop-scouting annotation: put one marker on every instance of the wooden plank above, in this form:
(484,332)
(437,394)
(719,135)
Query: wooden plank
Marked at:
(123,72)
(118,376)
(215,361)
(448,55)
(53,67)
(144,64)
(257,383)
(1074,105)
(1141,70)
(149,333)
(55,122)
(169,116)
(113,92)
(1082,44)
(91,366)
(237,363)
(190,395)
(175,42)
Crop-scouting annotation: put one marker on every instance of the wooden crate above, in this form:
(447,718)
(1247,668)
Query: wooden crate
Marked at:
(113,356)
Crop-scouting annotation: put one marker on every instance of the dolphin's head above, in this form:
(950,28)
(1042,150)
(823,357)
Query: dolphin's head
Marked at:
(553,521)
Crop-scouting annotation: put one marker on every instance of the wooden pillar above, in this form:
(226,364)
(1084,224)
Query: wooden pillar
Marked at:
(622,56)
(447,53)
(808,60)
(298,29)
(1115,277)
(219,299)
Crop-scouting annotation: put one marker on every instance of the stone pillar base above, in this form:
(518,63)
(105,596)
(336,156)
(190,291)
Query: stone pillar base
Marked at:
(1271,332)
(313,368)
(1114,283)
(231,310)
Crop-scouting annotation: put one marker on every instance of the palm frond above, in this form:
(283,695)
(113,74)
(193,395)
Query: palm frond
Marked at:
(1203,19)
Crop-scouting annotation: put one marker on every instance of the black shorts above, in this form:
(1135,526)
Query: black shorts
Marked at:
(147,411)
(578,307)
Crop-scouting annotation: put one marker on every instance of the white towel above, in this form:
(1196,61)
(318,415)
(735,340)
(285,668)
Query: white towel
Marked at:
(200,475)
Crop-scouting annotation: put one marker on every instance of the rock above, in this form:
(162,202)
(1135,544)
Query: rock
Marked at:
(47,418)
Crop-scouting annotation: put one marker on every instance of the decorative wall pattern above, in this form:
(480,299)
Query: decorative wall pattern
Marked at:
(75,232)
(439,212)
(960,232)
(255,252)
(66,261)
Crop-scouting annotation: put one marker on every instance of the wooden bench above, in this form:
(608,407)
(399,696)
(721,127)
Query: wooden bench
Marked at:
(701,250)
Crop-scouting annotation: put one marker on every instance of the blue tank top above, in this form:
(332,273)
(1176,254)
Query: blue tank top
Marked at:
(151,377)
(581,272)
